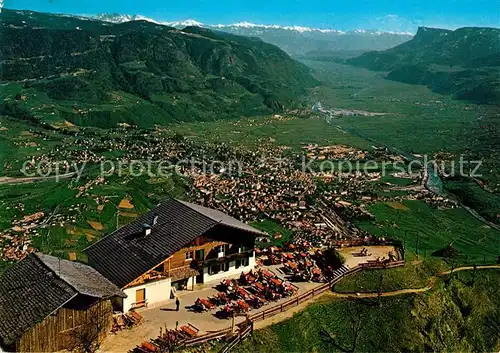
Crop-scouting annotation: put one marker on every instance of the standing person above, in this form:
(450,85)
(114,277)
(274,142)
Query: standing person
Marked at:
(177,303)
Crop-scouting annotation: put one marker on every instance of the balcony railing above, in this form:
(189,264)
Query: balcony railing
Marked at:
(197,264)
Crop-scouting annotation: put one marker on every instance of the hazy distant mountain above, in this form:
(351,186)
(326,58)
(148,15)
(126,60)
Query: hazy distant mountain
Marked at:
(464,62)
(295,40)
(298,41)
(142,73)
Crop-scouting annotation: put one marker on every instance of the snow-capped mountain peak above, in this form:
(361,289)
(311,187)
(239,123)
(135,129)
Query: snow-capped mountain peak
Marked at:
(117,18)
(301,29)
(184,23)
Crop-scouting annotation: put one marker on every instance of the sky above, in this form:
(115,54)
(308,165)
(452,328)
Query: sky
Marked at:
(393,15)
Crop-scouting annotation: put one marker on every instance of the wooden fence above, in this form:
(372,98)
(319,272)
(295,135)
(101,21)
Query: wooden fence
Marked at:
(207,337)
(300,299)
(238,338)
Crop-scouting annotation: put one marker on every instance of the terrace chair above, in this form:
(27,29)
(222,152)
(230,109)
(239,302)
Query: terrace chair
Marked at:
(225,313)
(136,317)
(147,347)
(198,306)
(208,305)
(243,307)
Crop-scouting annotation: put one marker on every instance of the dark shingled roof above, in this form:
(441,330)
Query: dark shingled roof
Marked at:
(82,278)
(125,255)
(36,287)
(222,218)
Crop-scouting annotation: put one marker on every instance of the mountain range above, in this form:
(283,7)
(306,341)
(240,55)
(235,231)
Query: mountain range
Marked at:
(98,73)
(295,40)
(464,62)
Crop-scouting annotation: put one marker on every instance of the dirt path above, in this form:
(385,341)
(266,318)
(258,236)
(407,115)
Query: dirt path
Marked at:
(468,268)
(432,282)
(287,314)
(393,293)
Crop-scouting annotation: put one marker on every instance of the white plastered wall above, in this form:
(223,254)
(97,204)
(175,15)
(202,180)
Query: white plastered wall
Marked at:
(233,271)
(156,292)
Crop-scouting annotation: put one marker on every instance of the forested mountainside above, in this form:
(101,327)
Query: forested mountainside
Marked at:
(464,62)
(139,72)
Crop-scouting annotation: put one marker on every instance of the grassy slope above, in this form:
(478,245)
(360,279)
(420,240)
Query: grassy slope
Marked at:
(74,236)
(486,203)
(435,229)
(412,275)
(460,317)
(273,228)
(20,141)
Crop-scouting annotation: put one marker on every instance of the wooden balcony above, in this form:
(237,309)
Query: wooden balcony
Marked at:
(197,264)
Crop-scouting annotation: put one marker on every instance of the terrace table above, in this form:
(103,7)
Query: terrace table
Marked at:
(242,292)
(266,273)
(259,286)
(148,346)
(276,282)
(206,303)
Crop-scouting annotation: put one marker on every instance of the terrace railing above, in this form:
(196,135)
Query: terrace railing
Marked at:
(246,331)
(206,338)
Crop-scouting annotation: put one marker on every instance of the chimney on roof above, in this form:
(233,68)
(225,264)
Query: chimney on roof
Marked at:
(146,229)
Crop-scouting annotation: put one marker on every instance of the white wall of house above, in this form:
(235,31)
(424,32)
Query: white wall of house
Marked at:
(156,292)
(160,291)
(207,278)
